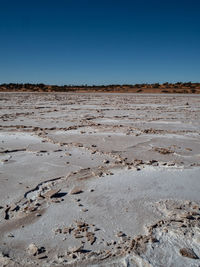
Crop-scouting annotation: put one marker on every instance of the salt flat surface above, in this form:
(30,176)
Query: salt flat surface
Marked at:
(99,180)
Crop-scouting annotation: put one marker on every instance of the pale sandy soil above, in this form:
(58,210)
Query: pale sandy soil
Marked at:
(99,180)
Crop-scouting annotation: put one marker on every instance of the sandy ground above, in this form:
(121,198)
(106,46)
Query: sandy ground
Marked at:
(99,180)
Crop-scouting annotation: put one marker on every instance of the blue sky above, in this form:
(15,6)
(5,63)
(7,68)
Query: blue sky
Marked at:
(99,42)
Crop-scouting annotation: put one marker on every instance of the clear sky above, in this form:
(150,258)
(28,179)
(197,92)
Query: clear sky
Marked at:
(99,41)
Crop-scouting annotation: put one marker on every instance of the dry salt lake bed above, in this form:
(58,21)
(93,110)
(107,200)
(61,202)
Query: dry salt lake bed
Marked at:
(99,180)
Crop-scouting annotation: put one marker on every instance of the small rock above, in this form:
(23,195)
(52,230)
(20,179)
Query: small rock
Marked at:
(84,210)
(120,234)
(31,209)
(190,217)
(73,256)
(100,174)
(67,230)
(76,235)
(90,237)
(57,200)
(58,231)
(153,161)
(170,164)
(33,249)
(10,235)
(76,190)
(76,249)
(51,193)
(189,253)
(5,260)
(81,224)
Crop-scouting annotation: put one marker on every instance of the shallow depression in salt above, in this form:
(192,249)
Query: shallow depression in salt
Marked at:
(13,138)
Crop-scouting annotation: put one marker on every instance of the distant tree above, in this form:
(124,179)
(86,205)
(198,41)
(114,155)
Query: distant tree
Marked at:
(156,85)
(178,83)
(137,85)
(188,84)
